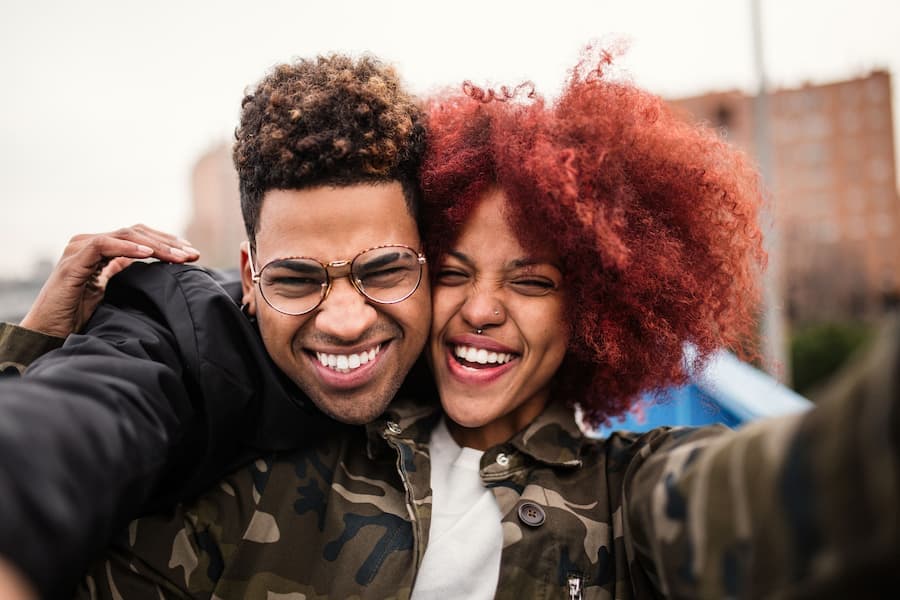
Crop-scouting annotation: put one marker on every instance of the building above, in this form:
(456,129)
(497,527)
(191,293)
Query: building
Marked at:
(216,228)
(834,190)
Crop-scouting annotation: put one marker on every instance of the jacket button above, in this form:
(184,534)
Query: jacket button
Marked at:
(531,514)
(394,428)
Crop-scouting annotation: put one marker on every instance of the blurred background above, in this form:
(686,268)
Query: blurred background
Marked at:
(119,112)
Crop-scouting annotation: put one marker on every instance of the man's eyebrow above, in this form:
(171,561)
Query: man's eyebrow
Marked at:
(296,266)
(379,261)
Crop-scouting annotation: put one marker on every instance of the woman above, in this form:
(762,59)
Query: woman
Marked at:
(575,248)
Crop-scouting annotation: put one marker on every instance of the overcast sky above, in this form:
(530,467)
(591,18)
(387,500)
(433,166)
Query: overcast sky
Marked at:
(106,104)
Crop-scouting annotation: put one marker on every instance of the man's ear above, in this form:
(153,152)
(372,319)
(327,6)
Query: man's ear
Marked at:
(248,288)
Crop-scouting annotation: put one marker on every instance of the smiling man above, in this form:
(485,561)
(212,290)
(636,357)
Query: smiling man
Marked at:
(346,340)
(170,388)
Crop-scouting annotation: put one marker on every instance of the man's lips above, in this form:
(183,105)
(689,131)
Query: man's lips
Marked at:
(347,361)
(348,369)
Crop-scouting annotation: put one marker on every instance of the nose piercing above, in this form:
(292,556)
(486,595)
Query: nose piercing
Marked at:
(479,331)
(496,311)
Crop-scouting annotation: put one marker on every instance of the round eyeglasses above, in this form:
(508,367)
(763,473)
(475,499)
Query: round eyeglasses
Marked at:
(297,285)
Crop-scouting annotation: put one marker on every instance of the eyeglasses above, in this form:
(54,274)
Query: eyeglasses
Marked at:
(297,285)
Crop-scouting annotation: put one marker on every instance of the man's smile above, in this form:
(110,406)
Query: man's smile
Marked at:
(344,363)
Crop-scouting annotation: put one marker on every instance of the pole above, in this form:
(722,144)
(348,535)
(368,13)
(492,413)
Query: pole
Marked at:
(774,339)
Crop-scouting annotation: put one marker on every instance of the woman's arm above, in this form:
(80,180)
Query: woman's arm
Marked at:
(806,505)
(76,285)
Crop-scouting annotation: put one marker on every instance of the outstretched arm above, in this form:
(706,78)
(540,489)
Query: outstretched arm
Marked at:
(804,506)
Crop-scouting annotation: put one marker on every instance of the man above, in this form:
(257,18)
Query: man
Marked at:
(327,153)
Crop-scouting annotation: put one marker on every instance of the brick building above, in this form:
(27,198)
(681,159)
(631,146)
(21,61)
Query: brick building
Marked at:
(216,228)
(835,189)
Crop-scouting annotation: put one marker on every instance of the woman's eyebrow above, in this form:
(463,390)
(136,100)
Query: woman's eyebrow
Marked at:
(528,261)
(518,263)
(461,257)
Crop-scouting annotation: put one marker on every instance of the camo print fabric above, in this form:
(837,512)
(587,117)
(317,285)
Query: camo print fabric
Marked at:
(804,506)
(774,510)
(350,519)
(19,347)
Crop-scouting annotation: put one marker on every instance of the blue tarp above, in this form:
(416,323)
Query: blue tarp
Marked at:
(727,391)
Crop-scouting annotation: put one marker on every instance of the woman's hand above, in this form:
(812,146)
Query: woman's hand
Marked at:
(78,282)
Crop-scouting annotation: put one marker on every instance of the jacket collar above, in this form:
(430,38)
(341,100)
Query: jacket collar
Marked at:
(408,418)
(553,438)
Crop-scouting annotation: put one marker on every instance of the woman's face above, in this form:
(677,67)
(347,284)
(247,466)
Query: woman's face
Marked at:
(497,335)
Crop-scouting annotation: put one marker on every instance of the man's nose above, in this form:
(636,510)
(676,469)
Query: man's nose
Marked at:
(345,313)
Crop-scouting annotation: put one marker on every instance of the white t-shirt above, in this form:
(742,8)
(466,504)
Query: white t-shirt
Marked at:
(462,559)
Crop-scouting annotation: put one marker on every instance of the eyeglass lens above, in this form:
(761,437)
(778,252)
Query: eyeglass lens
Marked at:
(384,275)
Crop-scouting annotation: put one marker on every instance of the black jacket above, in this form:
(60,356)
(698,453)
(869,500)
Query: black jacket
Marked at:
(169,389)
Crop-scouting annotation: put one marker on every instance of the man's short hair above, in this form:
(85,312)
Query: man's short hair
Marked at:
(331,120)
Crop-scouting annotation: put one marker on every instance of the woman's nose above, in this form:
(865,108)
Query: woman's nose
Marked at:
(483,308)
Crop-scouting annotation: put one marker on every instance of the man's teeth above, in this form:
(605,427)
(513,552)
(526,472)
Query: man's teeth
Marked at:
(481,356)
(344,363)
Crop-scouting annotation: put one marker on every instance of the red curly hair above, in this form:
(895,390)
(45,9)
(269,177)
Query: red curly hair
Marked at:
(654,220)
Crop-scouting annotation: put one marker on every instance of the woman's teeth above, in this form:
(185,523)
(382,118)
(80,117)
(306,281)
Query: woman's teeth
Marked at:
(344,363)
(481,356)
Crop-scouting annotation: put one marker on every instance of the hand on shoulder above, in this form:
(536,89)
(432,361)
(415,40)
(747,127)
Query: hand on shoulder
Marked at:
(77,284)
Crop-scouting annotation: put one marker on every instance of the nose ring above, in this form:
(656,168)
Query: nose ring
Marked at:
(496,312)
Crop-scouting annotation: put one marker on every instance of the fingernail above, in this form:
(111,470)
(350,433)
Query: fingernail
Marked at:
(144,249)
(178,252)
(191,250)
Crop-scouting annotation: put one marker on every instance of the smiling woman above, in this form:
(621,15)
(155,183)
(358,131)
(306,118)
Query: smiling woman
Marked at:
(577,247)
(651,220)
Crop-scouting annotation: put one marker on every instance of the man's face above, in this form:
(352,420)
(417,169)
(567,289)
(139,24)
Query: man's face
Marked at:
(332,224)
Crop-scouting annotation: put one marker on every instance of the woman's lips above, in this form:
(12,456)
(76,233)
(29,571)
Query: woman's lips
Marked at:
(489,362)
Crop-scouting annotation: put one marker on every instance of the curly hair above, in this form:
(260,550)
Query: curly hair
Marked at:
(654,220)
(332,120)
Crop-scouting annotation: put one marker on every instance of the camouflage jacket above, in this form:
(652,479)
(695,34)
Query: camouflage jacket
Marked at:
(779,509)
(800,507)
(19,347)
(350,518)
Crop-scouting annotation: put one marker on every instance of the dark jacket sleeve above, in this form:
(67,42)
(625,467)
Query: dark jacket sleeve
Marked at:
(155,402)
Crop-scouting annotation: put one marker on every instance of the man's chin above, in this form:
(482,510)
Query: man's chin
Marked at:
(352,411)
(354,405)
(351,416)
